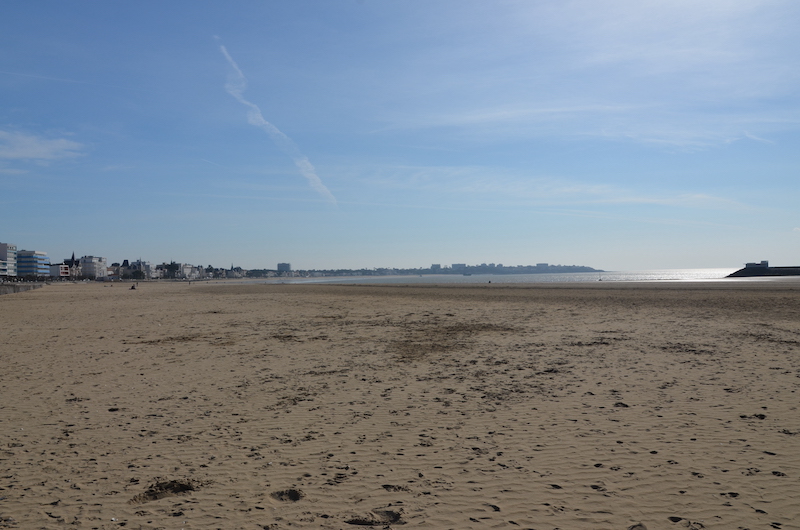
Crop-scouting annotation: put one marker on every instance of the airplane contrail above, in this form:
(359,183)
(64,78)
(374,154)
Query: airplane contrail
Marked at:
(236,86)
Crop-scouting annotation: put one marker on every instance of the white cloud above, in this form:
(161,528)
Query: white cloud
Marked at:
(20,146)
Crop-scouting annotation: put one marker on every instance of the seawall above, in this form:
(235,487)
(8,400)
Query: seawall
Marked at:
(11,288)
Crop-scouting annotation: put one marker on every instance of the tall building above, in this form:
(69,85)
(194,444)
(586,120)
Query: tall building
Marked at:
(8,259)
(32,263)
(284,267)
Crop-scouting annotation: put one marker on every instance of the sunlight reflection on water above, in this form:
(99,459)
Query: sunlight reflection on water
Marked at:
(609,276)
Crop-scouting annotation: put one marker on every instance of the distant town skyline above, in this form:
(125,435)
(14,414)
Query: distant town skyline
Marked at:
(621,135)
(20,264)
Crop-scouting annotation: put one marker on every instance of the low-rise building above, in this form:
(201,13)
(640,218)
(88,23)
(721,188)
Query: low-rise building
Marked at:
(235,272)
(60,270)
(136,270)
(147,271)
(74,266)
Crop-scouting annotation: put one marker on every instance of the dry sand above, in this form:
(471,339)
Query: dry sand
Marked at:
(307,406)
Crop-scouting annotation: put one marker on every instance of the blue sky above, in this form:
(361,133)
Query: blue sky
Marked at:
(621,135)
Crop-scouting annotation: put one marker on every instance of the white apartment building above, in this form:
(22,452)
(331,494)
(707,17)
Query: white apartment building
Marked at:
(191,272)
(94,267)
(8,259)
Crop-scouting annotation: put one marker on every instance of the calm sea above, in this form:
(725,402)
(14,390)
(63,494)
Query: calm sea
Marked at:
(685,275)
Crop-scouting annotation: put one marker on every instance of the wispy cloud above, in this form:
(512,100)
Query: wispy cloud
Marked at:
(236,86)
(21,146)
(684,200)
(490,184)
(211,162)
(654,123)
(757,138)
(72,81)
(9,171)
(671,74)
(523,113)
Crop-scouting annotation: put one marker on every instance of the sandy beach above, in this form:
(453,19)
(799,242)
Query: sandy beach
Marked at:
(235,406)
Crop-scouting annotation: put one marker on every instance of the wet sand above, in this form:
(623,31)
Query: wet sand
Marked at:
(670,405)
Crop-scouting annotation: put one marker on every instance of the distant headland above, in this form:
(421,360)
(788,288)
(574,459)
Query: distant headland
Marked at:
(762,268)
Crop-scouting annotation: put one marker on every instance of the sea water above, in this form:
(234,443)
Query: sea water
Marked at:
(606,276)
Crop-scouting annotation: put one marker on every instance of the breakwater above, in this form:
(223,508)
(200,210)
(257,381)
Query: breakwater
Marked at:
(751,272)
